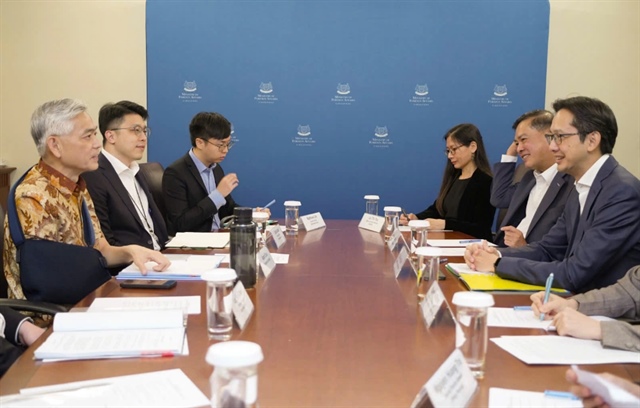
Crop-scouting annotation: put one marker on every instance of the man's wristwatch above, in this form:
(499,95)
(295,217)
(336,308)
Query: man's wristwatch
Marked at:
(495,264)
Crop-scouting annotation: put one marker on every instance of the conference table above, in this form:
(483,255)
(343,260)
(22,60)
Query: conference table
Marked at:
(336,327)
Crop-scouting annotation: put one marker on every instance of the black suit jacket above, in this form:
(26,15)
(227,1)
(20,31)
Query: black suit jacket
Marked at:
(189,207)
(505,194)
(119,219)
(9,350)
(475,212)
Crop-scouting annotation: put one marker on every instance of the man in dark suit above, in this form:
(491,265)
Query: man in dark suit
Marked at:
(197,192)
(535,203)
(597,237)
(123,202)
(16,331)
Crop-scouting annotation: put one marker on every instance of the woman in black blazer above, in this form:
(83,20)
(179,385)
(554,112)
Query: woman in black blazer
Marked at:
(463,202)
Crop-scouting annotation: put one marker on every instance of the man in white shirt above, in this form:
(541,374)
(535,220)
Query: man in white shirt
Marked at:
(536,201)
(123,202)
(597,237)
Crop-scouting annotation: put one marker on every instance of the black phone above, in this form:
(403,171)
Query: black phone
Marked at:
(148,283)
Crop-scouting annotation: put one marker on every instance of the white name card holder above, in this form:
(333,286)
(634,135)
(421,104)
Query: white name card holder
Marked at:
(371,222)
(267,264)
(400,261)
(432,303)
(242,306)
(313,221)
(278,236)
(453,384)
(393,239)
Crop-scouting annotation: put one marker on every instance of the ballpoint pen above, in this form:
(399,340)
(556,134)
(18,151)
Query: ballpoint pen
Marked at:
(405,214)
(270,203)
(469,241)
(547,291)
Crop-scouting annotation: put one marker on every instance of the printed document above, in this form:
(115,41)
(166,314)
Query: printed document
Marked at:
(199,240)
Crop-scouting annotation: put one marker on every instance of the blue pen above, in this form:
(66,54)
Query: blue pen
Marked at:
(272,202)
(522,308)
(547,291)
(560,394)
(469,241)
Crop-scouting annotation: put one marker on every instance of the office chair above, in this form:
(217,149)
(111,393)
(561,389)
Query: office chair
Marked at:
(517,176)
(153,172)
(21,305)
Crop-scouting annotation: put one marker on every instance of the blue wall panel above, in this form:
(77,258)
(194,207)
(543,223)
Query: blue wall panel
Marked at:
(482,62)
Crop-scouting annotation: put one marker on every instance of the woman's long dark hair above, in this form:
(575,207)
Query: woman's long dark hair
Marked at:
(464,134)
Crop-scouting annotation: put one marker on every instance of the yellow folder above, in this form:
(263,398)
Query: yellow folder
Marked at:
(490,282)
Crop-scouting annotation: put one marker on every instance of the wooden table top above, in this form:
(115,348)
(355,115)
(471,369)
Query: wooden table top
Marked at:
(336,329)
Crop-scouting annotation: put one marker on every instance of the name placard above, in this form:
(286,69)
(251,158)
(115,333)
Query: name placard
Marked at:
(267,263)
(453,384)
(393,239)
(242,306)
(313,221)
(400,260)
(371,222)
(277,235)
(431,303)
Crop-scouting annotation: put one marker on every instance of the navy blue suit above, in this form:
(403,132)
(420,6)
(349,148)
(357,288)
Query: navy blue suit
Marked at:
(189,207)
(505,194)
(587,251)
(119,219)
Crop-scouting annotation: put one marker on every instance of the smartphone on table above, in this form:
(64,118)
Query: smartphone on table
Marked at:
(148,283)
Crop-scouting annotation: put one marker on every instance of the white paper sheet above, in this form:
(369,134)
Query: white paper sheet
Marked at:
(550,349)
(463,268)
(505,398)
(508,317)
(182,268)
(190,304)
(168,388)
(199,240)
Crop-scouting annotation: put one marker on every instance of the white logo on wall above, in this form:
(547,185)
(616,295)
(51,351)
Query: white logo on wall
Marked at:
(266,94)
(189,93)
(234,139)
(381,137)
(421,96)
(303,137)
(343,95)
(500,98)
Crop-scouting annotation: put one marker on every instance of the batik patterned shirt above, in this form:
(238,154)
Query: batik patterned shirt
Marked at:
(49,206)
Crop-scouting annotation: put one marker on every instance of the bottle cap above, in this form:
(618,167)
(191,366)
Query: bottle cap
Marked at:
(396,209)
(292,204)
(428,251)
(371,197)
(419,224)
(243,214)
(472,299)
(233,354)
(219,275)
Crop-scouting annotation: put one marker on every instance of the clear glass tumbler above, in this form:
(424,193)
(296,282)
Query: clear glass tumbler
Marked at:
(371,204)
(291,215)
(391,219)
(219,301)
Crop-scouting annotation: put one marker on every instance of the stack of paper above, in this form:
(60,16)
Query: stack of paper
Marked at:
(168,388)
(78,336)
(187,304)
(183,267)
(199,240)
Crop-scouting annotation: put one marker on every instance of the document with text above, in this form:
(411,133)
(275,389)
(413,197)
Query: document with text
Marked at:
(79,336)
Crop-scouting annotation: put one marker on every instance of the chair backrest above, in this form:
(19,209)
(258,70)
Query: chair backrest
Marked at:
(153,172)
(4,287)
(517,176)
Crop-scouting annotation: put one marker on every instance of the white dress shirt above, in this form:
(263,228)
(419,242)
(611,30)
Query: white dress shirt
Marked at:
(584,184)
(543,181)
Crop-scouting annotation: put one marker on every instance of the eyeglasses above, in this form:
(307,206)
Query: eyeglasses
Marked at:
(138,130)
(453,150)
(558,137)
(221,147)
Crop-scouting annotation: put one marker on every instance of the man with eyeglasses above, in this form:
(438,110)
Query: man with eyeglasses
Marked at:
(597,238)
(535,202)
(197,192)
(124,204)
